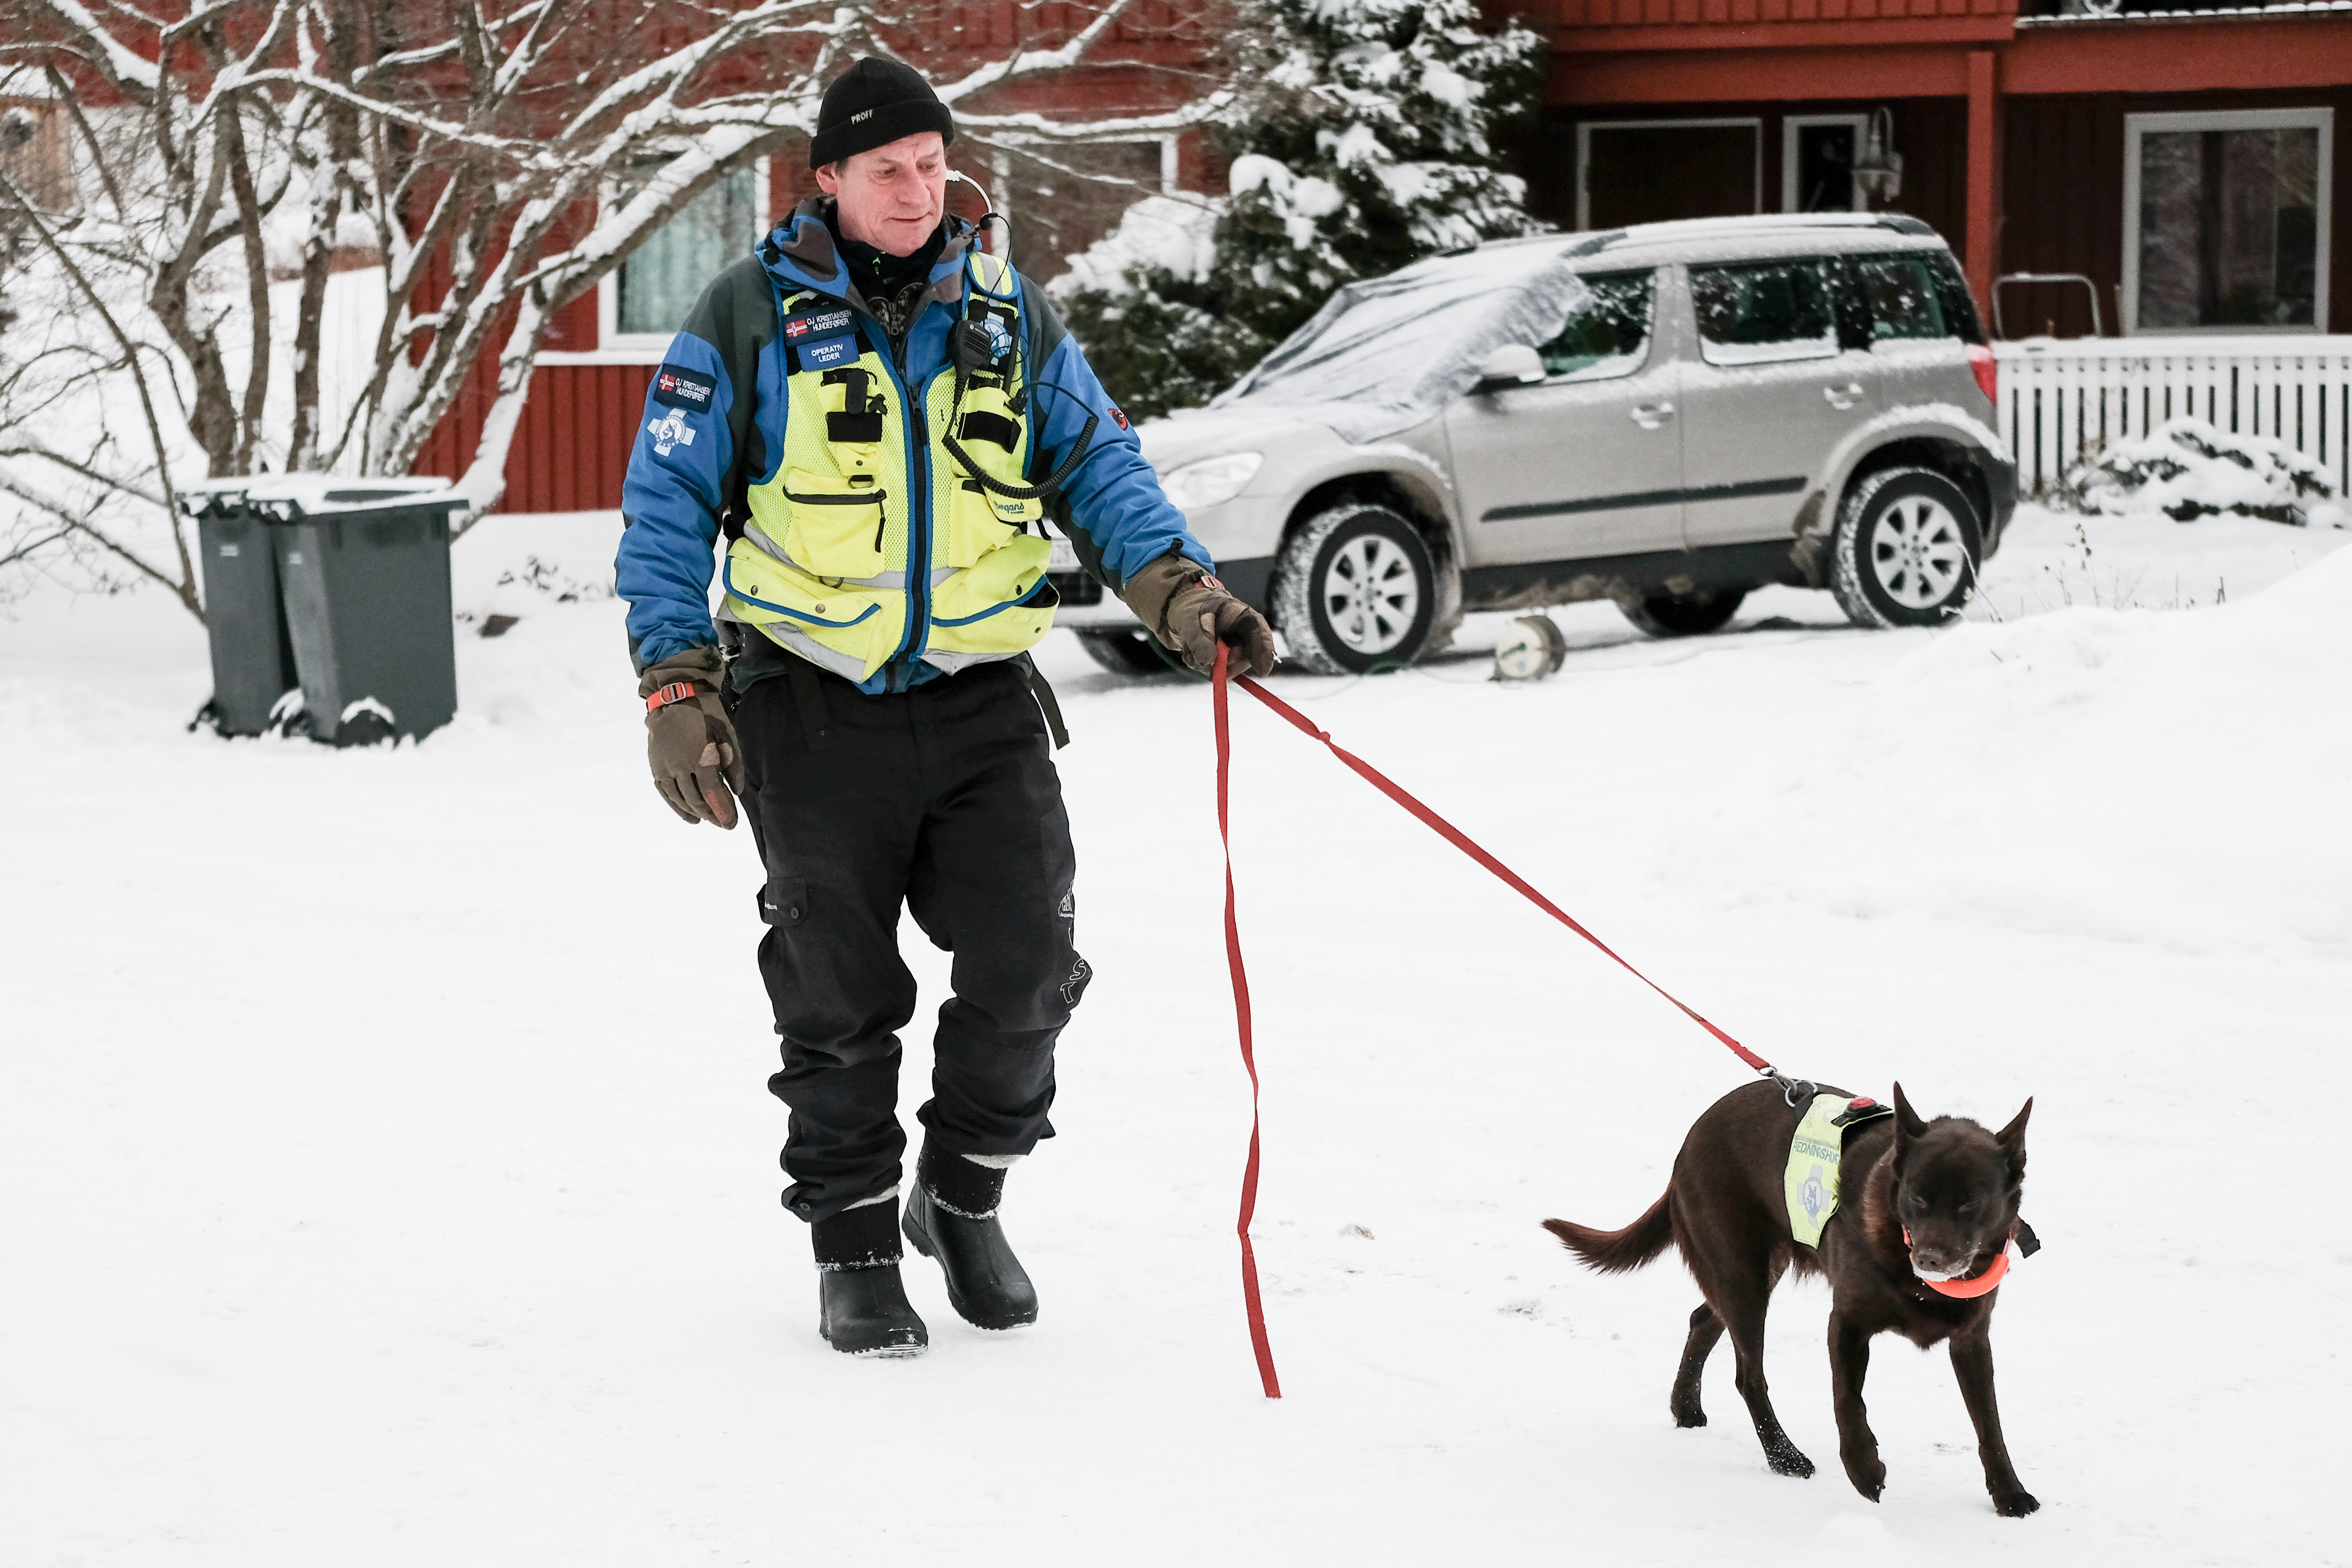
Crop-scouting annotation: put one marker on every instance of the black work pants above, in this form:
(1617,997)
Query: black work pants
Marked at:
(943,798)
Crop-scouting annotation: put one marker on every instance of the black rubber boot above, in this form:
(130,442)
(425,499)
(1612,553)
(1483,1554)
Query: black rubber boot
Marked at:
(862,1307)
(952,1216)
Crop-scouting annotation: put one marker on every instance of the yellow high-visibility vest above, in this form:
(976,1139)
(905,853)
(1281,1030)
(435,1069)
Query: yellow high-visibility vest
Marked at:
(827,564)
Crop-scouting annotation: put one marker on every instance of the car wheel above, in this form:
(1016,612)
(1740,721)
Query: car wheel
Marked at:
(1905,550)
(1684,615)
(1127,653)
(1355,589)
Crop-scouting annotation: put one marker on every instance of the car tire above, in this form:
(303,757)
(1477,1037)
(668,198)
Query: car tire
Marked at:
(1905,550)
(1355,590)
(1684,615)
(1128,653)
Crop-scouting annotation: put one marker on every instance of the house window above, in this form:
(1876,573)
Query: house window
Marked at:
(1061,199)
(1653,171)
(1817,153)
(2226,219)
(659,284)
(36,155)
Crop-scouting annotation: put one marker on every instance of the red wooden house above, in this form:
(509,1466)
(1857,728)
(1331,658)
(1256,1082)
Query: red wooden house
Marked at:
(2127,167)
(2175,165)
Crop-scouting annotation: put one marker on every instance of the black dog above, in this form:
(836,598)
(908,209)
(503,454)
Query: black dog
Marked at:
(1921,1203)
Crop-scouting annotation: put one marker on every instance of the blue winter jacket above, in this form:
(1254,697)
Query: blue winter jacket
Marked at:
(714,420)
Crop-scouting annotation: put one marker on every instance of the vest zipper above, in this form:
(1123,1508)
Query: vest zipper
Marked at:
(918,513)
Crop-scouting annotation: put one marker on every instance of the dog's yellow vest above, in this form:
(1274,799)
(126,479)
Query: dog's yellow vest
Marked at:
(1811,1180)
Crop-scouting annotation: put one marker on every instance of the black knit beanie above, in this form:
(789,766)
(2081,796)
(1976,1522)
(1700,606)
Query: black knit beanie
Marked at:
(872,104)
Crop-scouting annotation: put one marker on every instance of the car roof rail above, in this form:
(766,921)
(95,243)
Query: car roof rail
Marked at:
(1904,223)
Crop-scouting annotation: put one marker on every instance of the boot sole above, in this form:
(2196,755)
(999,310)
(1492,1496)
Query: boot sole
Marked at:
(901,1349)
(922,1240)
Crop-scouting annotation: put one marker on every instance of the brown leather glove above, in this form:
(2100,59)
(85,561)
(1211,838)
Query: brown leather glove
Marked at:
(1192,612)
(690,740)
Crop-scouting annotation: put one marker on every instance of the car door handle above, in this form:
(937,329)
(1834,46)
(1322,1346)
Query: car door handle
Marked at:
(1844,397)
(1650,416)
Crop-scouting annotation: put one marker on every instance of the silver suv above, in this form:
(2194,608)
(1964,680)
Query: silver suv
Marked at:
(1668,416)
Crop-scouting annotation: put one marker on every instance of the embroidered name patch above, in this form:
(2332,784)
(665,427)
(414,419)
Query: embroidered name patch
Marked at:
(815,324)
(682,388)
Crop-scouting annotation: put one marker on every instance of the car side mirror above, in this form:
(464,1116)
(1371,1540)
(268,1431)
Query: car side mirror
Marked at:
(1513,364)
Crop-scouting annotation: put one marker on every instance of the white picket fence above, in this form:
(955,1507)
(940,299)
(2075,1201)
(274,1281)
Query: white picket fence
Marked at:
(2063,400)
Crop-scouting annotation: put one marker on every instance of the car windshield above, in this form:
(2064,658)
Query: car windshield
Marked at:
(1386,353)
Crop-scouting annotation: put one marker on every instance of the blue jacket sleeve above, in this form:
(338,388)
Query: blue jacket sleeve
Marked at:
(1113,495)
(671,500)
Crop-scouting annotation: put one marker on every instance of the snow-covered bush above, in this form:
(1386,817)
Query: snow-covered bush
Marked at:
(2187,469)
(1364,144)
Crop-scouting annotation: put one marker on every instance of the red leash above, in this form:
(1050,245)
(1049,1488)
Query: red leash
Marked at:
(1444,830)
(1250,1300)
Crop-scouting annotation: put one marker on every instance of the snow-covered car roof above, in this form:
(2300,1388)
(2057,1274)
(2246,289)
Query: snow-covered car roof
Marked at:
(1386,353)
(1764,237)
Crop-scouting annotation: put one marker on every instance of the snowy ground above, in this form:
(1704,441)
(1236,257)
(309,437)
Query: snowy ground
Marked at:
(392,1177)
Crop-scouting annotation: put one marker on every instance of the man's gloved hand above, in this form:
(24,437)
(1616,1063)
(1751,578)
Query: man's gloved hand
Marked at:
(690,740)
(1192,613)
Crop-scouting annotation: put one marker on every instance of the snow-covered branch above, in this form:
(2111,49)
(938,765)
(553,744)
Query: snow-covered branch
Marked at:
(494,159)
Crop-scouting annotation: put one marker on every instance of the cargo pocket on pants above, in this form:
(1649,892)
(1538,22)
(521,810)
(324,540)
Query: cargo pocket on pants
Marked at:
(784,902)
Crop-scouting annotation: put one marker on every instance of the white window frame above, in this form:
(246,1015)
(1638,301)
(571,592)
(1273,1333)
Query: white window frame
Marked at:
(1789,126)
(616,347)
(2135,126)
(1585,127)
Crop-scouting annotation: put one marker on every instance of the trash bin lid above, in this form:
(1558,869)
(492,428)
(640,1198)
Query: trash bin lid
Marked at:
(315,495)
(196,496)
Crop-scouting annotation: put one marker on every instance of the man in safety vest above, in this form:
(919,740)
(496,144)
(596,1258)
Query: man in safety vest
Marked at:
(878,417)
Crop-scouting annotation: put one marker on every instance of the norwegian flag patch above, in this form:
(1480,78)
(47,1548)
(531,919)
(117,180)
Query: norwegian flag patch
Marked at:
(682,388)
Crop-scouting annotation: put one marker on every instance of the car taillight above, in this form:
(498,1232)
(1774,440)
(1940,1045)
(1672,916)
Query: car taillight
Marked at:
(1988,371)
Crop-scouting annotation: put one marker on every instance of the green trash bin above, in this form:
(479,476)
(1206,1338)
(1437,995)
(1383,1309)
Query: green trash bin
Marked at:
(363,569)
(245,621)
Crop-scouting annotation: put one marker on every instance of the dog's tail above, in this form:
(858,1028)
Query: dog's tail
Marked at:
(1618,1251)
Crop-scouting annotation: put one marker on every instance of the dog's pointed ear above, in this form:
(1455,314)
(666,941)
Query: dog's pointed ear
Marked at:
(1907,1120)
(2011,1140)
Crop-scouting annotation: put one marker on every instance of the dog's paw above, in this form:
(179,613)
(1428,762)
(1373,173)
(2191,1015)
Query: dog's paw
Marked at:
(1786,1461)
(1868,1476)
(2014,1505)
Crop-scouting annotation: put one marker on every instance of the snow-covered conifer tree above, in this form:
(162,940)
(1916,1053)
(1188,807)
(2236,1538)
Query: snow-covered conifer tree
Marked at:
(1366,145)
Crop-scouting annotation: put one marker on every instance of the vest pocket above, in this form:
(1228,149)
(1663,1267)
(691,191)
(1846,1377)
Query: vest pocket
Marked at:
(837,527)
(980,520)
(765,592)
(1001,605)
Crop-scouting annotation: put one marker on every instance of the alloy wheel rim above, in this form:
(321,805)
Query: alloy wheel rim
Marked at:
(1917,553)
(1372,594)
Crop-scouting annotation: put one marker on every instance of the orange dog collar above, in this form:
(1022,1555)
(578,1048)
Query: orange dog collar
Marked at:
(1983,1284)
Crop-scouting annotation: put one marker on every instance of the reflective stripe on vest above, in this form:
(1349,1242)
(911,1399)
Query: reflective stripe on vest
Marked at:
(871,540)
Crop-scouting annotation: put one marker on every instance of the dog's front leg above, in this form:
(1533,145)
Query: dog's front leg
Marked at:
(1972,1363)
(1857,1444)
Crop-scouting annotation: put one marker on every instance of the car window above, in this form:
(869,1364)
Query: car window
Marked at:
(1960,306)
(1606,335)
(1902,295)
(1757,312)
